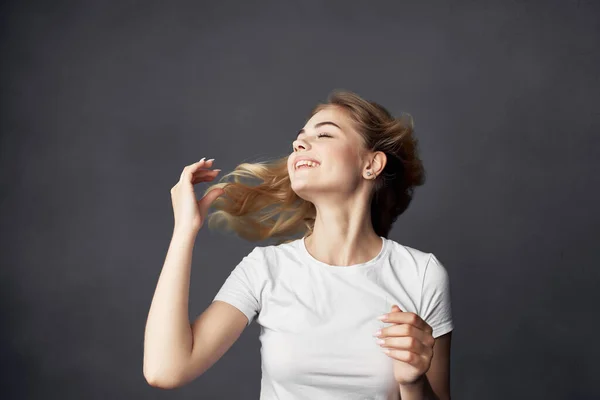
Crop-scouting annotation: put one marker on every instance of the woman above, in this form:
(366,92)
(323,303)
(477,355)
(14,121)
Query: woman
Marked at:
(352,172)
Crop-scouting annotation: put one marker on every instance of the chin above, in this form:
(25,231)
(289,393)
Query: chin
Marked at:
(302,189)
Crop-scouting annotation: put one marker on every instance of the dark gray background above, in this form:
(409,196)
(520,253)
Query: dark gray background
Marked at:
(104,103)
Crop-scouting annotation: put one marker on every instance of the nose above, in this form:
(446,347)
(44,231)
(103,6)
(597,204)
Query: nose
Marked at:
(299,144)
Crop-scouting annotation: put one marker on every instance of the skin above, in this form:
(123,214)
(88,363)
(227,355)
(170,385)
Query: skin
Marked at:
(339,188)
(343,235)
(421,363)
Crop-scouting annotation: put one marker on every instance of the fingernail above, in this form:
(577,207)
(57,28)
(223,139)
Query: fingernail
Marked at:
(212,159)
(382,317)
(380,341)
(217,170)
(202,159)
(377,333)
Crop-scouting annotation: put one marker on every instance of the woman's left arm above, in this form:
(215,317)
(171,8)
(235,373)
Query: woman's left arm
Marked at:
(421,363)
(420,390)
(435,384)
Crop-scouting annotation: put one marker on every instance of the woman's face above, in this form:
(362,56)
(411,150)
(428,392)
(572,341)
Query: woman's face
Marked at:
(329,139)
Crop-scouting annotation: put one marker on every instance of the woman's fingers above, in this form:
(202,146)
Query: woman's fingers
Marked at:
(197,166)
(204,163)
(202,166)
(205,175)
(199,169)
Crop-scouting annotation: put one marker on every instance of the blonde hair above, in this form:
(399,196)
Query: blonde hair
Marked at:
(271,209)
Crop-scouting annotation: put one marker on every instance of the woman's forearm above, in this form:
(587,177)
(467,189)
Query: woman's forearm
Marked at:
(420,390)
(168,336)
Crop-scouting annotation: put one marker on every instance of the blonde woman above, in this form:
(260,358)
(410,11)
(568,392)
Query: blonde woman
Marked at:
(317,298)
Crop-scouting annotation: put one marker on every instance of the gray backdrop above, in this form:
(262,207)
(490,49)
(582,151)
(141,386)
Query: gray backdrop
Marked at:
(104,103)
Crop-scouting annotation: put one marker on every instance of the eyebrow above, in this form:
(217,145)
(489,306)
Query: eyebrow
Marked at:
(320,124)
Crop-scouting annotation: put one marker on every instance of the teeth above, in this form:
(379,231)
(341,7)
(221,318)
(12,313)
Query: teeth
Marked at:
(306,162)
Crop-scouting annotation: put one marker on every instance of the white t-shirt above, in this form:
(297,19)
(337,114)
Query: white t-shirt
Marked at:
(317,320)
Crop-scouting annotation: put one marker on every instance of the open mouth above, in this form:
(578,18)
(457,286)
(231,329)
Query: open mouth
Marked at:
(306,164)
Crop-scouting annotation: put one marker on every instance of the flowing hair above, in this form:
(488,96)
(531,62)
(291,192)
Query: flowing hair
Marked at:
(270,208)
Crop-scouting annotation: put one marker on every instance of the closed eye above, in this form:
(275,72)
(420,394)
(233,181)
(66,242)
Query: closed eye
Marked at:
(319,135)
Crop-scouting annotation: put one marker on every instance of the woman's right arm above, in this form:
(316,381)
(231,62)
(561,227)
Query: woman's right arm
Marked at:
(175,351)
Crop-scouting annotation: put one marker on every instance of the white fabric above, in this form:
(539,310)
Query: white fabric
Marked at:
(317,320)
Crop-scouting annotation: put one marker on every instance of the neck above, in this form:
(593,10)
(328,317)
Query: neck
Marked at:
(343,237)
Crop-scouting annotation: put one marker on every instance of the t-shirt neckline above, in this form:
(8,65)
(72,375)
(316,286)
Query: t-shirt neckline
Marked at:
(344,268)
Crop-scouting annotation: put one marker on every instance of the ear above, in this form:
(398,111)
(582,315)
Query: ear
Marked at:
(379,160)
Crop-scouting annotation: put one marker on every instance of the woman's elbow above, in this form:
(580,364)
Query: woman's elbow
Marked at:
(163,381)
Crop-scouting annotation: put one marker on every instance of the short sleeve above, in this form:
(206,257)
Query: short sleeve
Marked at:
(242,287)
(436,307)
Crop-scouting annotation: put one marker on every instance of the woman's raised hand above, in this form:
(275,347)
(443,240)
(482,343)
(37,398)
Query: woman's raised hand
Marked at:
(189,212)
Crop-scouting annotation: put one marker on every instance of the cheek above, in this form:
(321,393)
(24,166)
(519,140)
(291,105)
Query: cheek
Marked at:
(346,158)
(290,167)
(342,163)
